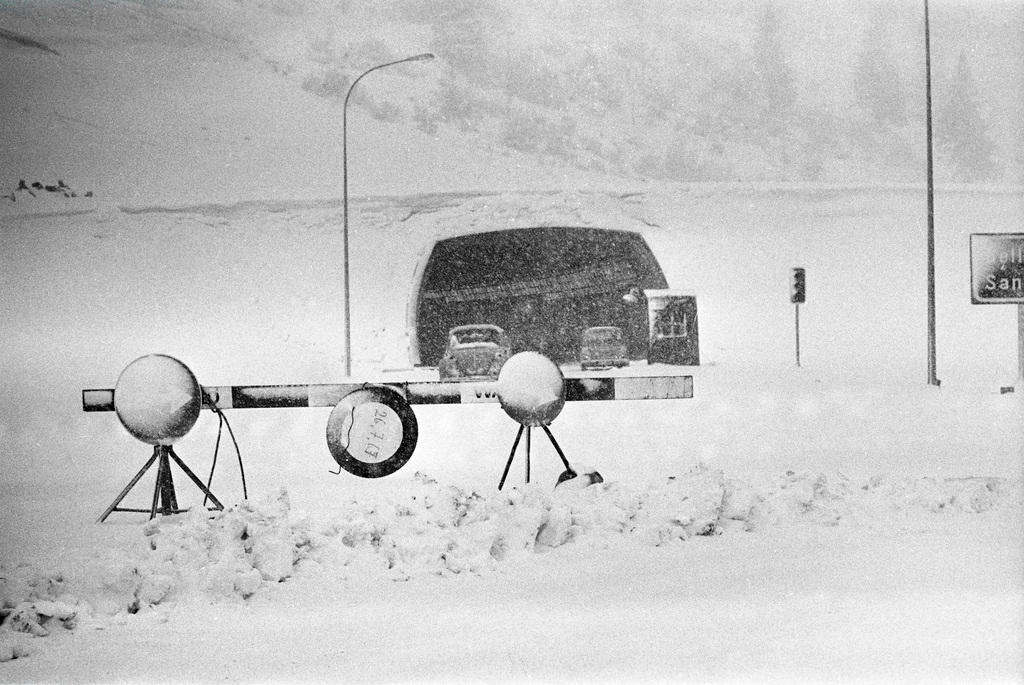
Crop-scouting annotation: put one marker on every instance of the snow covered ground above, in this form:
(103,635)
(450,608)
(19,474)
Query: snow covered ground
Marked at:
(832,582)
(841,521)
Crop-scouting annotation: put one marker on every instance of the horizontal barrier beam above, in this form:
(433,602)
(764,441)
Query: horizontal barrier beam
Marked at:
(425,392)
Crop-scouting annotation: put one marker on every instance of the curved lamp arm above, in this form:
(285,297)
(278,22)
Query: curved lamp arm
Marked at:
(344,175)
(415,58)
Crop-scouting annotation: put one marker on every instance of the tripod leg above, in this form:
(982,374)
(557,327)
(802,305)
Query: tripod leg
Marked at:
(168,499)
(195,479)
(160,466)
(128,487)
(511,455)
(558,449)
(529,430)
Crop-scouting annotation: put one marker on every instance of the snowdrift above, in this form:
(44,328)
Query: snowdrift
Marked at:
(437,529)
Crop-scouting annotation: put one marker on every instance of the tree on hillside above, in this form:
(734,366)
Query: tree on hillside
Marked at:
(759,103)
(961,129)
(463,32)
(767,94)
(876,81)
(755,98)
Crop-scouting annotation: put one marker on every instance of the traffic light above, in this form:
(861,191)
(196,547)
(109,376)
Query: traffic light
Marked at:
(798,286)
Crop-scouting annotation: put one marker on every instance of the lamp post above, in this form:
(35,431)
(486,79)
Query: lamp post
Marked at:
(344,175)
(932,378)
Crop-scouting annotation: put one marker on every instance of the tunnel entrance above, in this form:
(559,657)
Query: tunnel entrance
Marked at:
(543,285)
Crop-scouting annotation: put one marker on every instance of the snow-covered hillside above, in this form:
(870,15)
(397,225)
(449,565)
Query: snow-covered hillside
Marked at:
(841,521)
(149,100)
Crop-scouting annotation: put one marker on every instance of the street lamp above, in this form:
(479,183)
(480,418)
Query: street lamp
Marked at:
(344,174)
(932,378)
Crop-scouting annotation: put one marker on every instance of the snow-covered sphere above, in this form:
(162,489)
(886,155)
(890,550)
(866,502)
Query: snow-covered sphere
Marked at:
(157,399)
(531,389)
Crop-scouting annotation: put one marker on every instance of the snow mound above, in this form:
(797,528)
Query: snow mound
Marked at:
(223,555)
(883,502)
(438,529)
(33,603)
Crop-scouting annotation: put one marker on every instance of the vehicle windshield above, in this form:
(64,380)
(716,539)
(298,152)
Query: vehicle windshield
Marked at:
(471,336)
(604,335)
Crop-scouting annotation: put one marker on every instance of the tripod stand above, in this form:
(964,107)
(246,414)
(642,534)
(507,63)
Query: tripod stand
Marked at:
(566,475)
(163,490)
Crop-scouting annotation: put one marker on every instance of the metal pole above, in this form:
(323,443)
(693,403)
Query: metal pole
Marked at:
(167,495)
(344,181)
(528,431)
(511,456)
(932,379)
(797,305)
(127,488)
(1020,344)
(344,234)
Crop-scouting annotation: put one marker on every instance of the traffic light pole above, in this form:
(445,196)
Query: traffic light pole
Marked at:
(797,295)
(797,306)
(1020,345)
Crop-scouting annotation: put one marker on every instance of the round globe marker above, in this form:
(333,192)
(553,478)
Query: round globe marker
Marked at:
(372,432)
(531,389)
(157,399)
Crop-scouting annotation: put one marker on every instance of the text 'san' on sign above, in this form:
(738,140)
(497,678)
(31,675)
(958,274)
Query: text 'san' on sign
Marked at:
(997,268)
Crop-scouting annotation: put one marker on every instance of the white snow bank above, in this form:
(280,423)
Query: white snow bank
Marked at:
(34,603)
(444,530)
